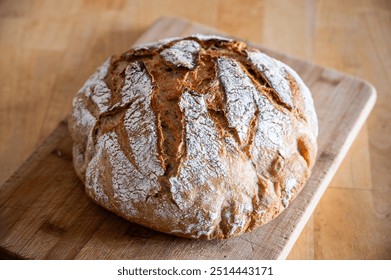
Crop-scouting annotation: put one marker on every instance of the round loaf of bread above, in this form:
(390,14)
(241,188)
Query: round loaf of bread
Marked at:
(200,137)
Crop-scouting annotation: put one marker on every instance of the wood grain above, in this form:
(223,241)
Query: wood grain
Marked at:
(44,213)
(44,43)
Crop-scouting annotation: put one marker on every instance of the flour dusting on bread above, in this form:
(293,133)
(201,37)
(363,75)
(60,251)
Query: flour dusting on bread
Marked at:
(200,137)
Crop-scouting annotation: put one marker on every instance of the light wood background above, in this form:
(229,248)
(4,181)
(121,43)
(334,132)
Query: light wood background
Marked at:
(48,49)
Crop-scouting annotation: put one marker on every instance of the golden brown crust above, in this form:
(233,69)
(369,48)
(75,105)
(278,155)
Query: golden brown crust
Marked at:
(199,137)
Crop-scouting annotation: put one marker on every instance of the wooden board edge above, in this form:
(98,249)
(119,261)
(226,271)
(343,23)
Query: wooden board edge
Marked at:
(5,254)
(167,21)
(41,150)
(365,112)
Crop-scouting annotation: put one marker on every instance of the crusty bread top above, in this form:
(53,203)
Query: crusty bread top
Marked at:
(200,136)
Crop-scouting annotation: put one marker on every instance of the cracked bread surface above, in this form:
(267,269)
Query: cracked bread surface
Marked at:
(200,137)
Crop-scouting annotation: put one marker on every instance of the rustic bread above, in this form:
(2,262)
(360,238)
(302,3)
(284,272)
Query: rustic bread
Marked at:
(199,137)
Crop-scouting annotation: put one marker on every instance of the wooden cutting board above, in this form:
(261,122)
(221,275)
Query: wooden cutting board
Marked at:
(44,213)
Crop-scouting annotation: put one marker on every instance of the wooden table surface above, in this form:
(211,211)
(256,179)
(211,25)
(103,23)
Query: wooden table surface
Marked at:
(49,48)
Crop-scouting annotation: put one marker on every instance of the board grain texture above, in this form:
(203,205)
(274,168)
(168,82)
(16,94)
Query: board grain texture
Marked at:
(45,214)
